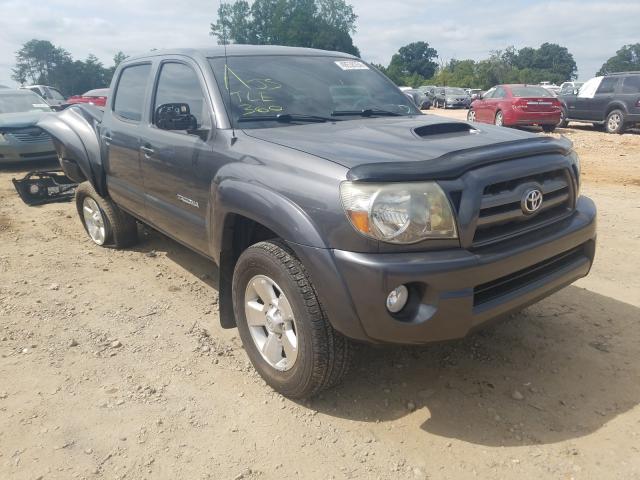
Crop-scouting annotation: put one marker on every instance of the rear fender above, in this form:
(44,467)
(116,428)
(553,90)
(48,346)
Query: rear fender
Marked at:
(75,132)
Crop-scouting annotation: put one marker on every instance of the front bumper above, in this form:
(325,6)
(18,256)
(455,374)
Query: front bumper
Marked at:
(17,152)
(452,291)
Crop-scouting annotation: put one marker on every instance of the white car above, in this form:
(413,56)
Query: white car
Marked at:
(51,95)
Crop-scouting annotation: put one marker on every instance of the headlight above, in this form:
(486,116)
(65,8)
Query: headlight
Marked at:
(398,212)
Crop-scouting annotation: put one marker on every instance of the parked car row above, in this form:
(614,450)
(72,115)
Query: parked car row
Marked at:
(57,101)
(611,101)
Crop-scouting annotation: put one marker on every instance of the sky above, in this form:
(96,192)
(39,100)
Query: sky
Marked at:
(592,30)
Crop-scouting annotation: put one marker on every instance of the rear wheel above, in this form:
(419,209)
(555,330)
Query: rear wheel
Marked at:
(471,116)
(499,120)
(105,223)
(615,122)
(283,327)
(563,119)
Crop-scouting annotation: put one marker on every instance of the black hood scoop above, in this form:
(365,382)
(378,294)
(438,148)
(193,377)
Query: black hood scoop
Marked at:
(445,128)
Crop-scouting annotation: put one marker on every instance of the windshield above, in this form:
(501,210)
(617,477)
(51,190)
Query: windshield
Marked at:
(530,92)
(455,91)
(55,94)
(22,102)
(326,88)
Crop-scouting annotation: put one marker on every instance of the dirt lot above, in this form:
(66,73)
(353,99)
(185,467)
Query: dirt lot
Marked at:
(112,365)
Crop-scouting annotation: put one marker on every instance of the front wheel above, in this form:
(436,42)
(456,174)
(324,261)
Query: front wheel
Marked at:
(471,116)
(283,326)
(548,128)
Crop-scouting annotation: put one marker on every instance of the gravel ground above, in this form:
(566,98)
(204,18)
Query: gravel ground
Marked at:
(112,365)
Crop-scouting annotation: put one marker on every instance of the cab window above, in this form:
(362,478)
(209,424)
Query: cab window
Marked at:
(130,92)
(179,84)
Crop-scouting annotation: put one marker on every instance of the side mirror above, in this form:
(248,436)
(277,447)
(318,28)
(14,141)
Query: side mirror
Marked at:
(479,96)
(175,116)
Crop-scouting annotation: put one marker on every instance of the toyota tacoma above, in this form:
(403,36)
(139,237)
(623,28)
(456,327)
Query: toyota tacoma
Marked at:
(335,210)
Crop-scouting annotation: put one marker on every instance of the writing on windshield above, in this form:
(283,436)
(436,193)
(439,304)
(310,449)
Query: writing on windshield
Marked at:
(253,95)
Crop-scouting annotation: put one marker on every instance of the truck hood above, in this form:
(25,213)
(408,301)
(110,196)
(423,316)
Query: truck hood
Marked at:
(20,119)
(424,143)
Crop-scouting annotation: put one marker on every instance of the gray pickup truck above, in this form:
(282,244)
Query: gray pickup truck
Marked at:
(335,211)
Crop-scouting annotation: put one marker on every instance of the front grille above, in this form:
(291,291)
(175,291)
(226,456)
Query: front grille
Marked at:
(31,135)
(502,286)
(501,215)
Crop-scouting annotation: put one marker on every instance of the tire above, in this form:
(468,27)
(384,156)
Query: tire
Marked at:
(471,116)
(322,357)
(615,122)
(499,119)
(118,228)
(563,123)
(548,128)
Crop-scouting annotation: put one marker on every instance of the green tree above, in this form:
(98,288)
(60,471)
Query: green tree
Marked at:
(324,24)
(626,59)
(39,62)
(414,58)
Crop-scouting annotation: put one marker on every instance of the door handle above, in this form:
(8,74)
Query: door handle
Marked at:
(148,151)
(107,138)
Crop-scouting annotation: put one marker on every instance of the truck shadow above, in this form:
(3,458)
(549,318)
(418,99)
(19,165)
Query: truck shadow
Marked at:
(573,360)
(559,370)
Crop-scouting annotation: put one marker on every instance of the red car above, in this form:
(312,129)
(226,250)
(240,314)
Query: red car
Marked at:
(513,105)
(97,97)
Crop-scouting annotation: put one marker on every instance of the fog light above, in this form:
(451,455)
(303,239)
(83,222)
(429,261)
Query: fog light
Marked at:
(397,299)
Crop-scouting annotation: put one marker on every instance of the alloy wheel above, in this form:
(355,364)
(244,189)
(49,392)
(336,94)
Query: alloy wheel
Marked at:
(94,220)
(271,322)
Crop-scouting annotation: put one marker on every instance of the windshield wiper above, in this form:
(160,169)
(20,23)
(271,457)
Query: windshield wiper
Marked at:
(367,112)
(287,118)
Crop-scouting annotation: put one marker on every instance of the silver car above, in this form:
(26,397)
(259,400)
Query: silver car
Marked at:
(20,139)
(51,95)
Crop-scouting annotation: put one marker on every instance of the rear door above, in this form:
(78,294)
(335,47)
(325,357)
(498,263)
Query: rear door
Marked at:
(480,105)
(630,93)
(121,136)
(597,109)
(178,165)
(493,104)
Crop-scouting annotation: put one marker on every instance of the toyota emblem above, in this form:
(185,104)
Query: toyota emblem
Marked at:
(531,201)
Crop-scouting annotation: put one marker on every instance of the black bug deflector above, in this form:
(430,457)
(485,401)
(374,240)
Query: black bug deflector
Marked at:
(454,164)
(38,188)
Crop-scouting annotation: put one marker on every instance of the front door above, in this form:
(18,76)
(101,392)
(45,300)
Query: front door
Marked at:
(178,165)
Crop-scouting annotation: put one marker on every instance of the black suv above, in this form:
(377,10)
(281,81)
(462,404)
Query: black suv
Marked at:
(612,101)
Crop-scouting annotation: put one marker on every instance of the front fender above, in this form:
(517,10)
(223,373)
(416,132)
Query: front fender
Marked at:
(264,206)
(76,139)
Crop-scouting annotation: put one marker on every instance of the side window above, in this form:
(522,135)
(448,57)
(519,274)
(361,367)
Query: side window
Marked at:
(178,83)
(631,84)
(608,85)
(489,93)
(499,93)
(129,99)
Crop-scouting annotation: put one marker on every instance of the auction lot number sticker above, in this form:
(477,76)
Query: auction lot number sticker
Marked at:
(351,65)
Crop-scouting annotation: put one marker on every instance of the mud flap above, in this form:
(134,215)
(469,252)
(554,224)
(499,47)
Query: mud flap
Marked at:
(40,187)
